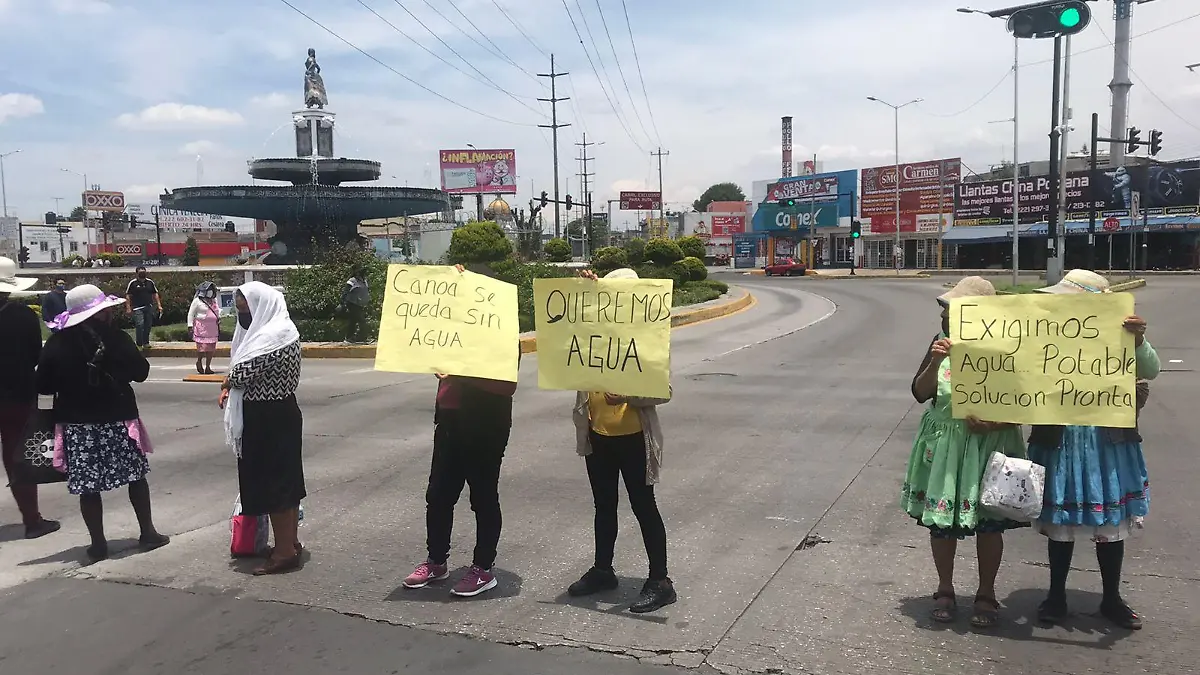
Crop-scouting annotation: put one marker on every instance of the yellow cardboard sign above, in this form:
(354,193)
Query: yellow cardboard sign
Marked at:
(1043,359)
(440,320)
(611,335)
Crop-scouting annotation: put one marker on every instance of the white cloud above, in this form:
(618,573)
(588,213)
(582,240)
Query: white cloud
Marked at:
(19,105)
(179,116)
(198,148)
(142,194)
(274,100)
(91,7)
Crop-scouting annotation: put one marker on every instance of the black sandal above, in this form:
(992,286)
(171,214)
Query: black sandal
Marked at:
(273,566)
(1121,614)
(985,618)
(944,613)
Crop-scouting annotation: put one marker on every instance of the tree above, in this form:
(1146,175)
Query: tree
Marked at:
(663,252)
(478,242)
(692,247)
(78,213)
(558,250)
(721,192)
(191,253)
(635,250)
(609,258)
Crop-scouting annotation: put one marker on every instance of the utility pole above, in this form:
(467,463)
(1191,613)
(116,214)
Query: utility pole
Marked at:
(1120,84)
(584,176)
(1061,242)
(662,204)
(554,126)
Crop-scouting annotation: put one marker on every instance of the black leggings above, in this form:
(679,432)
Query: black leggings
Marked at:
(625,456)
(464,454)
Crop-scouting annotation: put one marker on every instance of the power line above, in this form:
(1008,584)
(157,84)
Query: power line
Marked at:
(603,69)
(402,75)
(1148,89)
(981,99)
(498,53)
(1093,49)
(638,62)
(519,28)
(617,60)
(591,63)
(437,56)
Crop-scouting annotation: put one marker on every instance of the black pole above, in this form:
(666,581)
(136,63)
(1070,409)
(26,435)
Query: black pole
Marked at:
(1093,183)
(1052,219)
(158,237)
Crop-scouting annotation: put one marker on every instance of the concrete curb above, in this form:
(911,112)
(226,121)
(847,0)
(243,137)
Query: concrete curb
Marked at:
(736,300)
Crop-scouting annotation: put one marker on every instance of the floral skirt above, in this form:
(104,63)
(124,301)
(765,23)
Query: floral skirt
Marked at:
(1095,489)
(942,485)
(101,457)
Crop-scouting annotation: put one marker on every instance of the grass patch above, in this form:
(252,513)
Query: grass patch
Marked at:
(694,292)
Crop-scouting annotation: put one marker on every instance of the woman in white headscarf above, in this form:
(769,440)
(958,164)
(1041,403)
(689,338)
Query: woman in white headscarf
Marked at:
(263,423)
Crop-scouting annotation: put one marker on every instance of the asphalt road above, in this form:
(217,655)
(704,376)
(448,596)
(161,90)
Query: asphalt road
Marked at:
(786,445)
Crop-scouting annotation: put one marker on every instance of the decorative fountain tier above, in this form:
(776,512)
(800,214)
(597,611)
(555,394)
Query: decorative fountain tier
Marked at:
(315,211)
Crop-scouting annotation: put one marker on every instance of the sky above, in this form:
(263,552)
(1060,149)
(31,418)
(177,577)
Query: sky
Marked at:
(142,95)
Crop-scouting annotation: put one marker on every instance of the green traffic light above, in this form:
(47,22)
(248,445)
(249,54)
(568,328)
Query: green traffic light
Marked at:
(1069,18)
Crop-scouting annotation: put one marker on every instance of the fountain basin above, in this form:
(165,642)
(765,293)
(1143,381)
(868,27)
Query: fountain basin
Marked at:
(329,171)
(307,203)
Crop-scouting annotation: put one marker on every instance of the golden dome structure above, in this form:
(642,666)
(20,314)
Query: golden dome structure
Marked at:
(498,211)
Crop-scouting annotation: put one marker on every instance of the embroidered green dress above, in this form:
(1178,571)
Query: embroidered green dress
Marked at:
(941,489)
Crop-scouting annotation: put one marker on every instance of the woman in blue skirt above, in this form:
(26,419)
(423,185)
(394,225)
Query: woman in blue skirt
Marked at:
(1097,488)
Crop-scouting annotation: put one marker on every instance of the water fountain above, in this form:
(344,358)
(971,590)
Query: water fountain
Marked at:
(315,211)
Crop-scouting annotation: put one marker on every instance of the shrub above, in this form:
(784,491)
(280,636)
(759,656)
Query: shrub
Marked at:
(663,251)
(478,242)
(314,293)
(692,293)
(557,250)
(191,253)
(608,259)
(692,247)
(69,261)
(113,259)
(635,250)
(695,268)
(522,275)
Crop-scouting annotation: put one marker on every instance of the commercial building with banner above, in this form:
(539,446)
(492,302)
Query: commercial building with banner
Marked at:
(718,226)
(1147,217)
(816,230)
(926,199)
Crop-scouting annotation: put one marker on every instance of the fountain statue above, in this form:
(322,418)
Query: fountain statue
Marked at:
(315,212)
(314,85)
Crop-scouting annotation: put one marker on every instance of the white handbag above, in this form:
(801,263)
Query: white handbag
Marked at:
(1013,487)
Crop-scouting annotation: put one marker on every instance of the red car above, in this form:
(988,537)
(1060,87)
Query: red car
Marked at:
(785,267)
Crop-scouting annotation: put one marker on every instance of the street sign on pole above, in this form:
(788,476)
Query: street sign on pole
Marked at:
(1112,224)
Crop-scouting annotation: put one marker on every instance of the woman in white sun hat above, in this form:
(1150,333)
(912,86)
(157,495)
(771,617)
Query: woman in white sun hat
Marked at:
(1097,487)
(20,348)
(101,443)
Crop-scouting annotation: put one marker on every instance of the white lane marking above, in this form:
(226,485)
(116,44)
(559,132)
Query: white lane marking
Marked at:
(1175,361)
(187,366)
(832,310)
(359,371)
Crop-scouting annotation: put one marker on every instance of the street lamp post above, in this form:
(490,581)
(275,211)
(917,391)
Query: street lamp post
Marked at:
(4,200)
(478,196)
(896,121)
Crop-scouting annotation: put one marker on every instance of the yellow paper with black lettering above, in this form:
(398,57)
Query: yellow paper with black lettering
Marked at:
(439,320)
(611,335)
(1043,359)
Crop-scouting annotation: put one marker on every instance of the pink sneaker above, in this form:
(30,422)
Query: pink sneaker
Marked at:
(476,581)
(425,573)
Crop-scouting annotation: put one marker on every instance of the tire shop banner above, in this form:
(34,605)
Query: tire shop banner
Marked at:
(809,187)
(926,189)
(1167,189)
(610,335)
(479,171)
(724,226)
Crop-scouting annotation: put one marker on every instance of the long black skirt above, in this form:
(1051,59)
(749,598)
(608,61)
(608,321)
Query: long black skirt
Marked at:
(271,470)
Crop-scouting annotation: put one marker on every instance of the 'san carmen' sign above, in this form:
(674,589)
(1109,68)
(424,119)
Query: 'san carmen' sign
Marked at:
(130,250)
(96,200)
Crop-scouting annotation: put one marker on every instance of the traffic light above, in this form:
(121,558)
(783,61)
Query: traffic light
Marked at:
(23,255)
(855,229)
(1135,139)
(789,203)
(1155,141)
(132,221)
(569,204)
(1050,19)
(545,199)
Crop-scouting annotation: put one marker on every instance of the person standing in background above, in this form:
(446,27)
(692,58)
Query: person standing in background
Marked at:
(355,298)
(20,349)
(143,303)
(54,302)
(203,322)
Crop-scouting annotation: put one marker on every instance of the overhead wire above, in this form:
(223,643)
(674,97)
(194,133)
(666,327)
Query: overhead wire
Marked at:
(1142,34)
(1156,97)
(599,80)
(519,28)
(617,60)
(981,99)
(410,80)
(637,61)
(499,51)
(603,69)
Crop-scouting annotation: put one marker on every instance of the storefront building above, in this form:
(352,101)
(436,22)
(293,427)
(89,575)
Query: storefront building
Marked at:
(816,230)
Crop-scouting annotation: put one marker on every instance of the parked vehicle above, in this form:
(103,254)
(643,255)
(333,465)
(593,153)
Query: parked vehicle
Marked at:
(785,267)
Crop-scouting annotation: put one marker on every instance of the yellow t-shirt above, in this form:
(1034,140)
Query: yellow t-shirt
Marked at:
(612,420)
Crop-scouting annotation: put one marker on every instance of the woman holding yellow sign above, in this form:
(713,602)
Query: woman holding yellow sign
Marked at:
(1097,486)
(949,457)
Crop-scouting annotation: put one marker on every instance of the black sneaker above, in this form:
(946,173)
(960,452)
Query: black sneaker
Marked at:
(655,595)
(42,529)
(593,581)
(1121,614)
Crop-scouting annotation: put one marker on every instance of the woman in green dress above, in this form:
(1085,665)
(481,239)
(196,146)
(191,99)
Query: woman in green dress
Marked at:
(949,457)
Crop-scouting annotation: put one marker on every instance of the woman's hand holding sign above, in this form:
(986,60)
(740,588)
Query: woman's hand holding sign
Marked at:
(939,350)
(1136,325)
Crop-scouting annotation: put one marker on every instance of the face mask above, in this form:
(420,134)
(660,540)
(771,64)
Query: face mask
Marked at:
(244,319)
(61,287)
(141,275)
